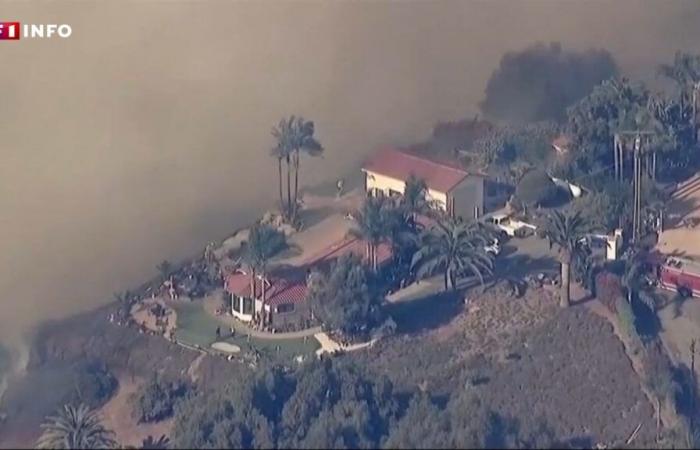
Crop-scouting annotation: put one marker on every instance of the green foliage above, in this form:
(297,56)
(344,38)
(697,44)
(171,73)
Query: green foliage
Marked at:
(372,221)
(345,300)
(75,428)
(565,231)
(584,267)
(608,288)
(321,405)
(454,248)
(614,105)
(414,199)
(625,317)
(423,425)
(156,399)
(507,151)
(378,221)
(536,188)
(607,208)
(293,135)
(95,384)
(263,243)
(658,374)
(151,443)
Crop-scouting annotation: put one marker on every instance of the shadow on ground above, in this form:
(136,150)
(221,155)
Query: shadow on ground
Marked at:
(425,313)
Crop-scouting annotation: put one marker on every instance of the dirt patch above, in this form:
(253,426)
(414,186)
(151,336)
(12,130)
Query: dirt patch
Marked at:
(118,416)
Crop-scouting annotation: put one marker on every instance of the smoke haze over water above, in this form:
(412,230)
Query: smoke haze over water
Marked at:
(146,133)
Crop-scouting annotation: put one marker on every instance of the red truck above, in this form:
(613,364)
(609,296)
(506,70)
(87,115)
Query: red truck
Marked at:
(680,274)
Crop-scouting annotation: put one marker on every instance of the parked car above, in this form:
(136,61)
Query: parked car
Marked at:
(508,225)
(494,248)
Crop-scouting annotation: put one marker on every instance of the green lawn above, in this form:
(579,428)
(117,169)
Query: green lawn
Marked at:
(196,327)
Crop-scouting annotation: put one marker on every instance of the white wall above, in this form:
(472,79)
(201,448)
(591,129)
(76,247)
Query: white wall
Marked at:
(385,183)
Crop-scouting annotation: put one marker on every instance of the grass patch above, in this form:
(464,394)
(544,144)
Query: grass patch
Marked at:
(196,327)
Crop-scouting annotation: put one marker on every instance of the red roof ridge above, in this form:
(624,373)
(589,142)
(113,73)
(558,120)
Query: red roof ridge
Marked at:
(329,250)
(423,159)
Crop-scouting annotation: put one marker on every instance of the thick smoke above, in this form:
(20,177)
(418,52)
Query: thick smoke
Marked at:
(147,132)
(540,82)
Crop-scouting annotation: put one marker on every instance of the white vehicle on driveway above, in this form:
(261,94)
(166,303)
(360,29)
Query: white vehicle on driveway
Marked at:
(494,248)
(511,227)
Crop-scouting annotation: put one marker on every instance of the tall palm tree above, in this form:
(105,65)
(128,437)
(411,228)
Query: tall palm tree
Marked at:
(305,141)
(294,135)
(565,231)
(75,428)
(281,153)
(455,248)
(283,132)
(415,198)
(264,242)
(372,224)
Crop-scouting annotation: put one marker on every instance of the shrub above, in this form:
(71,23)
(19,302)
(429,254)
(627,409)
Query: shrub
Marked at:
(156,399)
(658,372)
(608,288)
(95,384)
(627,321)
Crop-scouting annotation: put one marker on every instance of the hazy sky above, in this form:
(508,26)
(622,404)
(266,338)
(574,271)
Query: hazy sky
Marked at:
(146,133)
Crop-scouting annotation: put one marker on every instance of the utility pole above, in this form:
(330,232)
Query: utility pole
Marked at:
(637,185)
(641,163)
(693,387)
(696,108)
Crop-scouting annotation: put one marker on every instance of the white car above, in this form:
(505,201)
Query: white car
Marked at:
(510,226)
(494,248)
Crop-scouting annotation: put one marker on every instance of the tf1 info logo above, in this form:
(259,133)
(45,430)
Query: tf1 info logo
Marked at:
(11,31)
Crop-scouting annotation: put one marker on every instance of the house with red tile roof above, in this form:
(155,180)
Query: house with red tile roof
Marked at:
(451,188)
(285,288)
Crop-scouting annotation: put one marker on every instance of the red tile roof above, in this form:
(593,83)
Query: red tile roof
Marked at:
(400,165)
(350,245)
(289,285)
(289,288)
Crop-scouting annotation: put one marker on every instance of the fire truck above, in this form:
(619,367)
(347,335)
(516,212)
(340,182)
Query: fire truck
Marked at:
(680,275)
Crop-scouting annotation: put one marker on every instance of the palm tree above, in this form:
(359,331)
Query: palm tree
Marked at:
(415,197)
(264,242)
(305,141)
(565,231)
(284,134)
(633,280)
(151,443)
(281,152)
(373,225)
(455,248)
(294,135)
(75,428)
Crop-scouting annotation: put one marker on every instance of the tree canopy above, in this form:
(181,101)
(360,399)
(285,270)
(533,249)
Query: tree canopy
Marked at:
(454,248)
(346,299)
(536,188)
(75,427)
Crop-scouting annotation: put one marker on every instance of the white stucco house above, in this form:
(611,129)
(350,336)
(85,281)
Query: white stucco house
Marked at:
(452,189)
